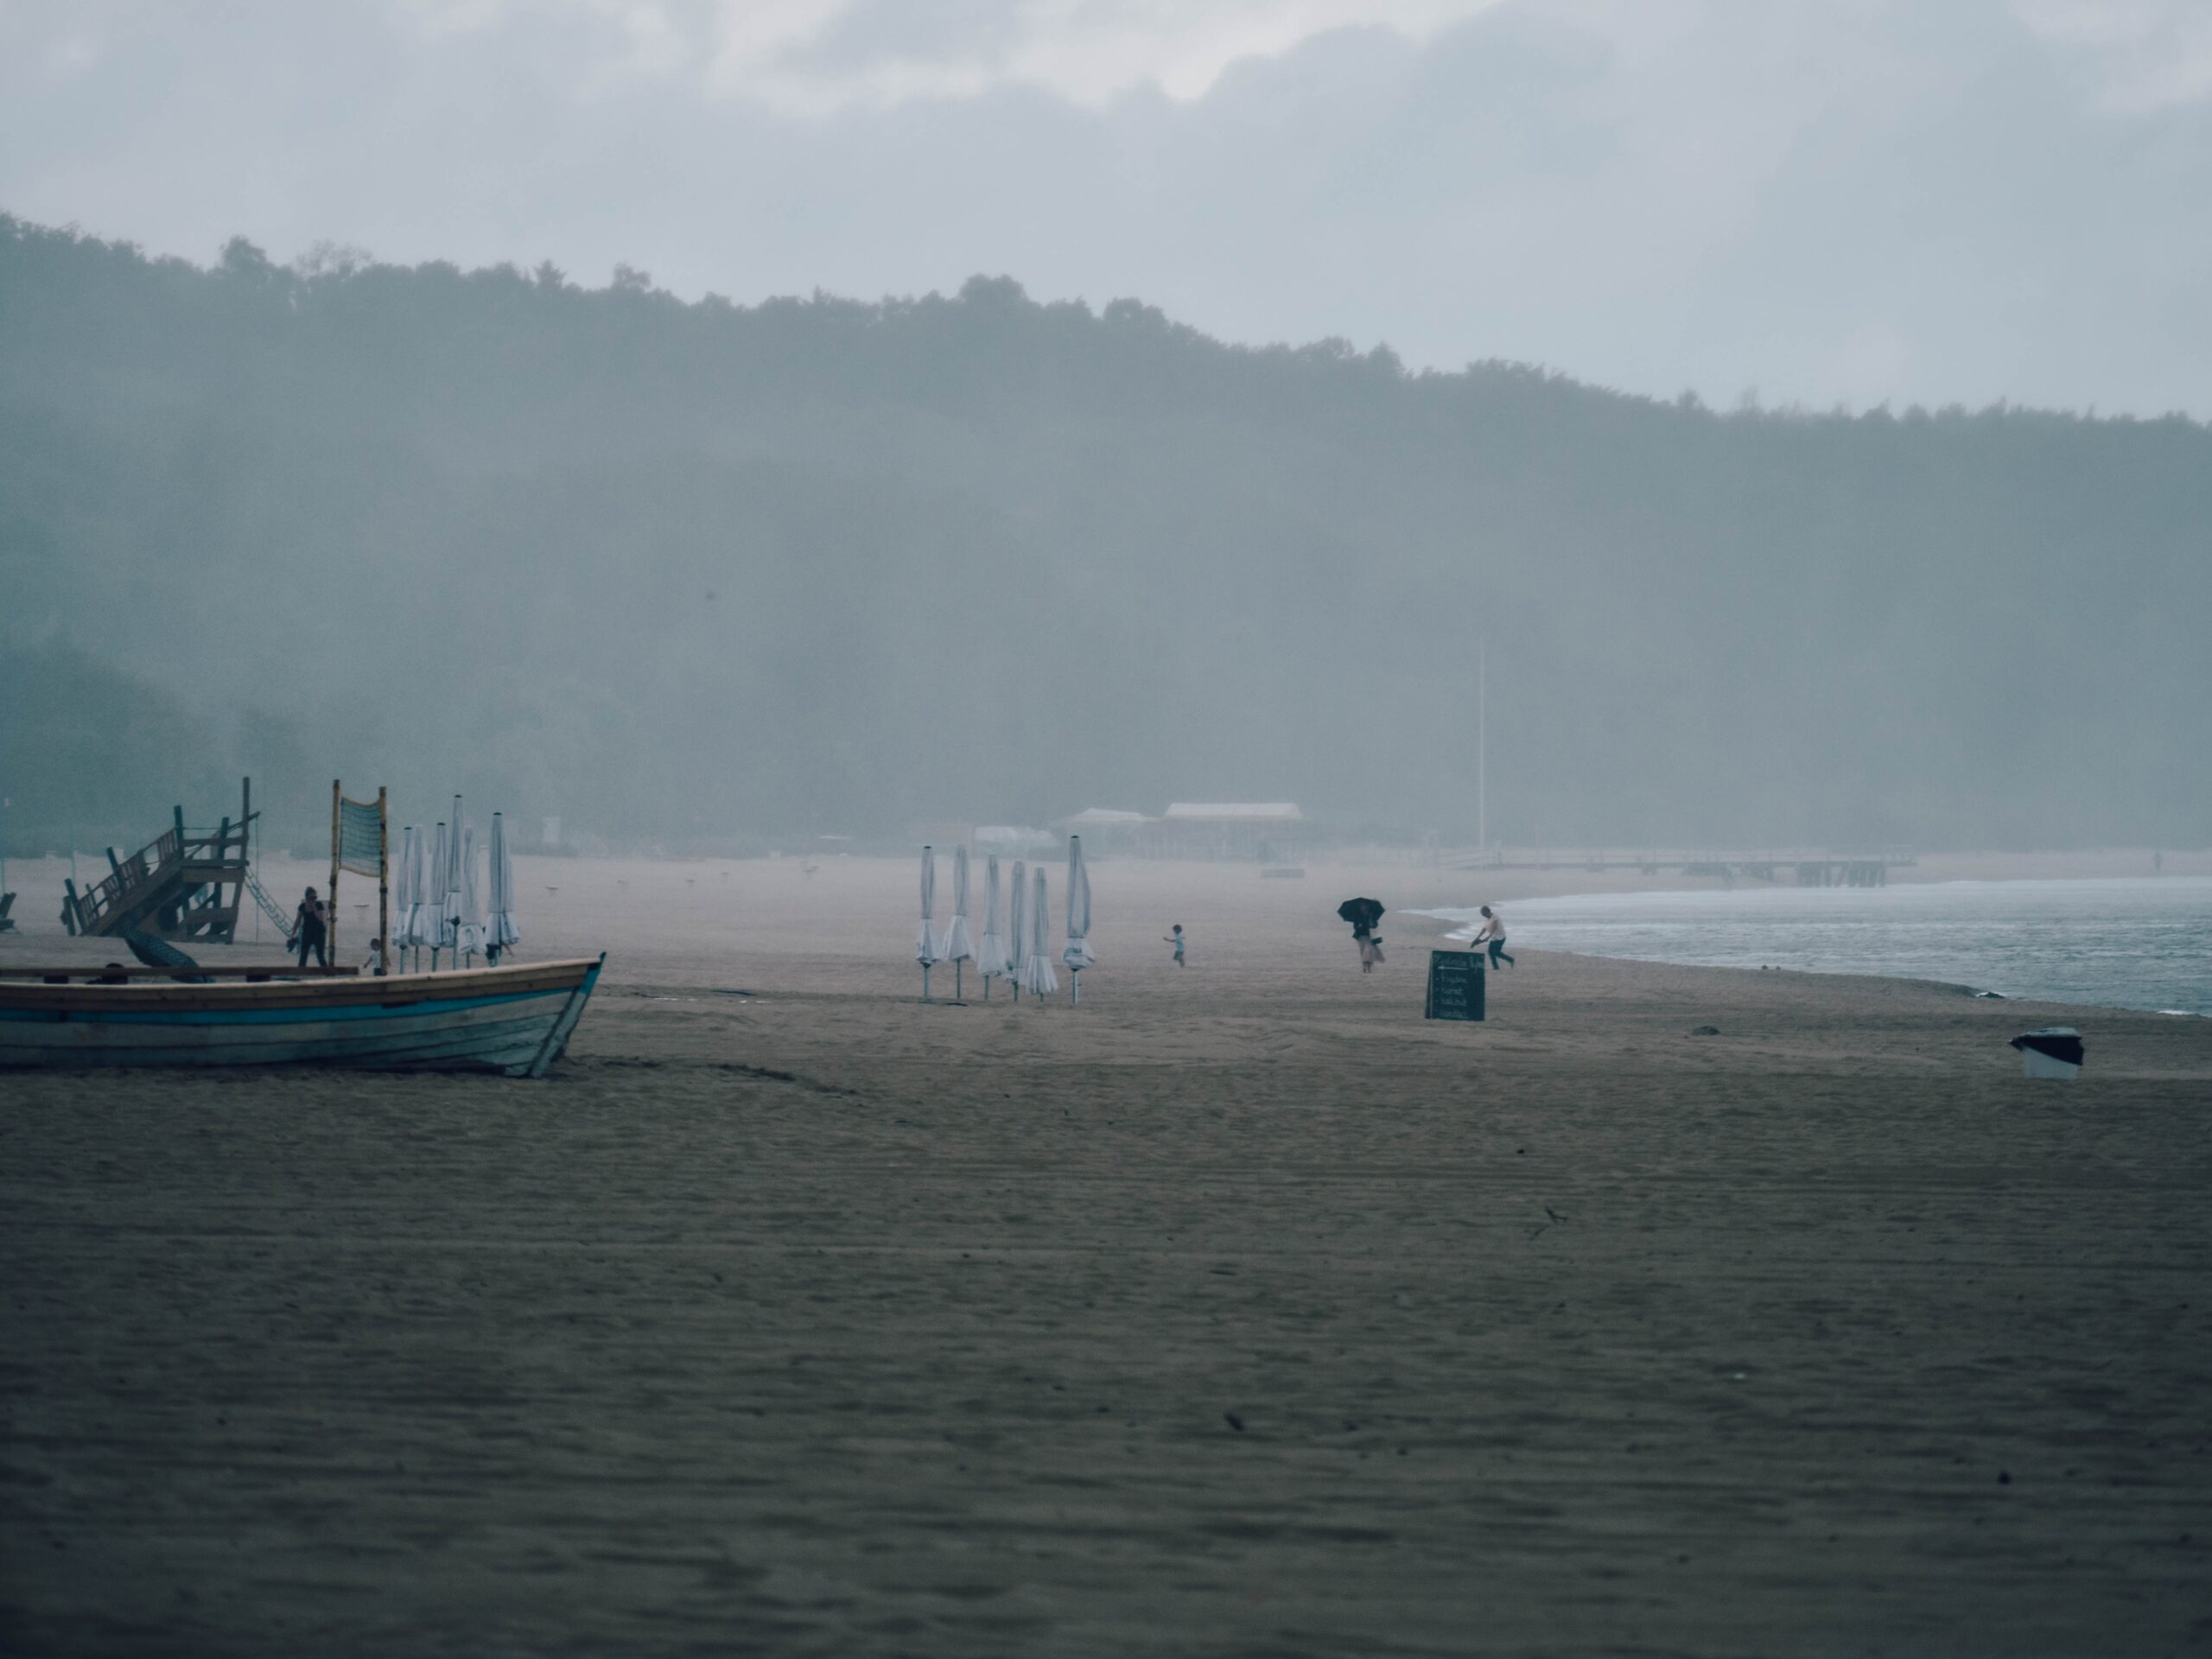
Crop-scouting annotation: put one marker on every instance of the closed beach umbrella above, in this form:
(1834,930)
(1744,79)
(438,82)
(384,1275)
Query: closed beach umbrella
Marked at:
(1077,955)
(501,934)
(990,954)
(423,926)
(403,896)
(449,888)
(471,935)
(957,946)
(1018,928)
(1037,975)
(430,927)
(926,941)
(418,883)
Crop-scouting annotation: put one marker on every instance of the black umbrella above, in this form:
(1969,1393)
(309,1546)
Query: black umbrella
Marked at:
(1362,913)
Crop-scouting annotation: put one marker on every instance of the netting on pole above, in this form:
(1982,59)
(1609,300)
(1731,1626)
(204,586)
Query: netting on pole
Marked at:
(361,837)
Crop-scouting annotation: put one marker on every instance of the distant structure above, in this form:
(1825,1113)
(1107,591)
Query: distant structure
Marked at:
(1269,832)
(1105,829)
(1808,869)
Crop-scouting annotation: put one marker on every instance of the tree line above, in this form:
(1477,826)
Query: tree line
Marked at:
(701,573)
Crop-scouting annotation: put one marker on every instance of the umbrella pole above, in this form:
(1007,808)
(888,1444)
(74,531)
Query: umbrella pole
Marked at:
(925,982)
(987,988)
(958,980)
(1075,988)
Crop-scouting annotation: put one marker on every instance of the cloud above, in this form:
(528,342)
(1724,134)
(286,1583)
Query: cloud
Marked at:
(1860,199)
(817,56)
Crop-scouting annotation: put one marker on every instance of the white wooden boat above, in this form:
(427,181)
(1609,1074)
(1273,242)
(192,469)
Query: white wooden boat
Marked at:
(514,1021)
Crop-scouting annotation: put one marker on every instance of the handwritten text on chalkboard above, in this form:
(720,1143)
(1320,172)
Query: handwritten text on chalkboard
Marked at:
(1455,985)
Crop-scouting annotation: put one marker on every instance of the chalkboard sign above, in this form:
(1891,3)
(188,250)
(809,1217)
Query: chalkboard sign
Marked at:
(1455,985)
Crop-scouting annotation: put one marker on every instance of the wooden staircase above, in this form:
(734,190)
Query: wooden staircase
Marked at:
(172,887)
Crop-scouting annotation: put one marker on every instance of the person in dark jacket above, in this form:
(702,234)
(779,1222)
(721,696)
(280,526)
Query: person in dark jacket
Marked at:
(311,929)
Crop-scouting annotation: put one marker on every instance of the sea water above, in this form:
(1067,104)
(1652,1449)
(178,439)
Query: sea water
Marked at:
(2129,943)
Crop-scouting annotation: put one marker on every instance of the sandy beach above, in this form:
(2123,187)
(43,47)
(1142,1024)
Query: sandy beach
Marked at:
(1240,1310)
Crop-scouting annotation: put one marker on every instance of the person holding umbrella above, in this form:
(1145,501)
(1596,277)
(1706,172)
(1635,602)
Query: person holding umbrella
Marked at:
(1363,914)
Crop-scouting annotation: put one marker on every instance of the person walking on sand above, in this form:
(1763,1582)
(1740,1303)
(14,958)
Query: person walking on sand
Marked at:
(1492,931)
(1176,939)
(310,930)
(1370,948)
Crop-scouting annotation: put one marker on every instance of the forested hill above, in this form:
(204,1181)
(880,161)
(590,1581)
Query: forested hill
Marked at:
(701,571)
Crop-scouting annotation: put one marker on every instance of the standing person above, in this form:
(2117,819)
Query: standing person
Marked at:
(1370,948)
(310,930)
(1176,939)
(1493,932)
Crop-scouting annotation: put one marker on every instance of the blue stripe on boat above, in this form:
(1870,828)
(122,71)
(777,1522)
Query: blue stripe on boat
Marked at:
(277,1016)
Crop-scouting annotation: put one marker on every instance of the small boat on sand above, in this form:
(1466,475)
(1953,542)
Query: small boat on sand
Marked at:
(514,1021)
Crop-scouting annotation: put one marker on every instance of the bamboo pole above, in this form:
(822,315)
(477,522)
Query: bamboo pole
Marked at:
(330,928)
(383,885)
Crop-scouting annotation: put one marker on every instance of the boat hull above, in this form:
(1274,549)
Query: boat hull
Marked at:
(515,1021)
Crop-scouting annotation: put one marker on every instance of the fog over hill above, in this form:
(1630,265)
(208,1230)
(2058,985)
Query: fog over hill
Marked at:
(699,572)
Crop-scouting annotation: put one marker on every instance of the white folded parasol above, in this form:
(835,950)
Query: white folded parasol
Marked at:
(956,947)
(402,901)
(469,937)
(1076,956)
(1018,932)
(430,919)
(449,888)
(1037,975)
(501,934)
(926,941)
(990,953)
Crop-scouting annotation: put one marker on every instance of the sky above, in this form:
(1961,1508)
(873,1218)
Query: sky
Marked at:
(1812,203)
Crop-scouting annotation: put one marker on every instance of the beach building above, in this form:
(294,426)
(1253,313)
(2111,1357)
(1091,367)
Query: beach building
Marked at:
(1105,829)
(1266,830)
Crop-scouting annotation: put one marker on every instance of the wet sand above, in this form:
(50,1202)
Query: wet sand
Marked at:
(1239,1311)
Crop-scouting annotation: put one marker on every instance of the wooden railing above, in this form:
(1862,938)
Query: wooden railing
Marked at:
(150,864)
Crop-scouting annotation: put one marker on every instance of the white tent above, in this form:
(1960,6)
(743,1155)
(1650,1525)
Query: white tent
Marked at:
(501,934)
(430,917)
(1017,931)
(470,935)
(925,942)
(1037,975)
(1077,956)
(990,954)
(402,901)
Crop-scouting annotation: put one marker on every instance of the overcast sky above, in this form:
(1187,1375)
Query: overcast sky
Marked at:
(1854,201)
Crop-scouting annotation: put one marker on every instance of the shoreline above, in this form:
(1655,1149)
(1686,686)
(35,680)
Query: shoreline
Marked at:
(1458,924)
